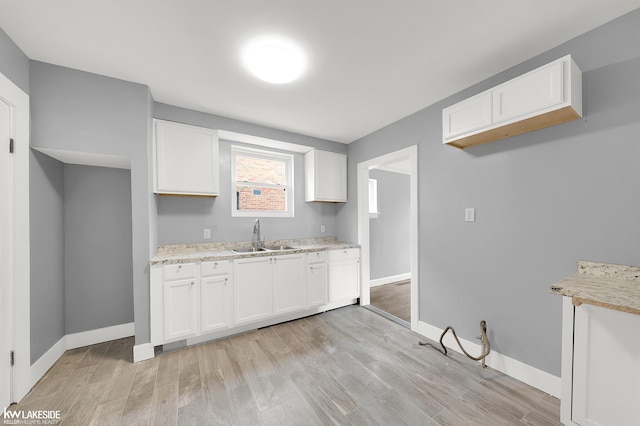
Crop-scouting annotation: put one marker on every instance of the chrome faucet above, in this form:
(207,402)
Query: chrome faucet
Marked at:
(256,242)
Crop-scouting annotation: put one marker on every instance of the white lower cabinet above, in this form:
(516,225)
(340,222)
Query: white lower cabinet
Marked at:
(216,296)
(344,274)
(288,283)
(316,279)
(220,298)
(601,368)
(179,292)
(252,291)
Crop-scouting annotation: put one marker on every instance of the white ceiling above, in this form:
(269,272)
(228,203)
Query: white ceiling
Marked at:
(372,62)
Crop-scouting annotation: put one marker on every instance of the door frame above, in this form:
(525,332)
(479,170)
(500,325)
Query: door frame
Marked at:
(410,155)
(18,100)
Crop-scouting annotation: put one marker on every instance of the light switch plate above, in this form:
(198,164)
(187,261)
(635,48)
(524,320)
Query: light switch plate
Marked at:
(207,234)
(470,214)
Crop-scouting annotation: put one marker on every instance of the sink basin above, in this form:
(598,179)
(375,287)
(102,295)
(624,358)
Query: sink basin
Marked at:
(248,250)
(278,248)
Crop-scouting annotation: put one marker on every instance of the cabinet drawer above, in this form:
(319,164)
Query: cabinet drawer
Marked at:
(317,257)
(343,254)
(216,267)
(179,271)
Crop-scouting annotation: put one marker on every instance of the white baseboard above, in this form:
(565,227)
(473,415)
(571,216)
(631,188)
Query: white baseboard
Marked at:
(511,367)
(143,352)
(44,363)
(91,337)
(390,279)
(77,340)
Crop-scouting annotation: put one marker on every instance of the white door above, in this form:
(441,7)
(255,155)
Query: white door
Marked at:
(5,255)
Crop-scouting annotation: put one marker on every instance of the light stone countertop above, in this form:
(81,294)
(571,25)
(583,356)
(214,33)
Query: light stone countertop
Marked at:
(606,285)
(185,253)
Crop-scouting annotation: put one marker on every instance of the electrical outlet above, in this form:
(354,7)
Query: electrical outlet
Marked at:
(470,214)
(207,234)
(322,229)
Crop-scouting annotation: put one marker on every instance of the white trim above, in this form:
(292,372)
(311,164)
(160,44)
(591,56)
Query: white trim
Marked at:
(46,361)
(511,367)
(409,158)
(99,335)
(390,279)
(143,352)
(20,250)
(262,142)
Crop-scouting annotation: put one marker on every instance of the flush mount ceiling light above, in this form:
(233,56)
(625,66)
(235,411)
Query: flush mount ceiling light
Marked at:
(274,59)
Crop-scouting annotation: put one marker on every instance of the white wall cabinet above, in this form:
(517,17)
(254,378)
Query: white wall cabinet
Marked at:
(216,296)
(546,96)
(185,160)
(316,278)
(344,274)
(325,176)
(601,366)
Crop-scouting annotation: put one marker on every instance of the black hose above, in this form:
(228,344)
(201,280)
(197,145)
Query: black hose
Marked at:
(485,343)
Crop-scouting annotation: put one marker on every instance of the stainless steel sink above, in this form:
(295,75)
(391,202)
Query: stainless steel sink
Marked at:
(279,248)
(248,250)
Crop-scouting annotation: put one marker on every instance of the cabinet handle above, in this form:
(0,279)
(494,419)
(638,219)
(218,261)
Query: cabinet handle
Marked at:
(215,264)
(311,267)
(192,282)
(179,267)
(225,281)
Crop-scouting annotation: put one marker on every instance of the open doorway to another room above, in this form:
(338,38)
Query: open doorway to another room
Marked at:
(388,235)
(389,241)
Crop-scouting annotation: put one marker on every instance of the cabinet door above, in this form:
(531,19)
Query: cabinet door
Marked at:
(467,116)
(252,289)
(186,159)
(180,309)
(288,283)
(529,94)
(344,274)
(325,176)
(606,367)
(316,284)
(215,303)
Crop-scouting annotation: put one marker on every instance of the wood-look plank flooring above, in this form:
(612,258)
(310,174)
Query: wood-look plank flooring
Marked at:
(393,298)
(348,366)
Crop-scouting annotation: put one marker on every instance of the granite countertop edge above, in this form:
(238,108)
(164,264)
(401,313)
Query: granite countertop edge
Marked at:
(607,285)
(186,253)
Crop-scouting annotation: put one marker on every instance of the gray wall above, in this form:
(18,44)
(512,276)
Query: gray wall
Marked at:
(544,200)
(14,64)
(182,219)
(78,111)
(390,233)
(98,258)
(46,198)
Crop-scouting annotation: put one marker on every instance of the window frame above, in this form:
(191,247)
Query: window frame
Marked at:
(287,158)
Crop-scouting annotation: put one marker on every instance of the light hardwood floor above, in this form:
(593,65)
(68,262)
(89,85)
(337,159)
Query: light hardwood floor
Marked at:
(393,298)
(346,366)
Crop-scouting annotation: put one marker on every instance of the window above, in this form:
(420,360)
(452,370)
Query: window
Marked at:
(262,183)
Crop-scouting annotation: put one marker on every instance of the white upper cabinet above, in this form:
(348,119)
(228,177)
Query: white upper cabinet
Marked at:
(468,116)
(546,96)
(185,160)
(325,176)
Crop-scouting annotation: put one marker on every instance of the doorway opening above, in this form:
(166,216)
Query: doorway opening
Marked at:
(389,240)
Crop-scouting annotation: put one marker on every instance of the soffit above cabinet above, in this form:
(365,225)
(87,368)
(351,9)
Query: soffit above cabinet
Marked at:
(544,97)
